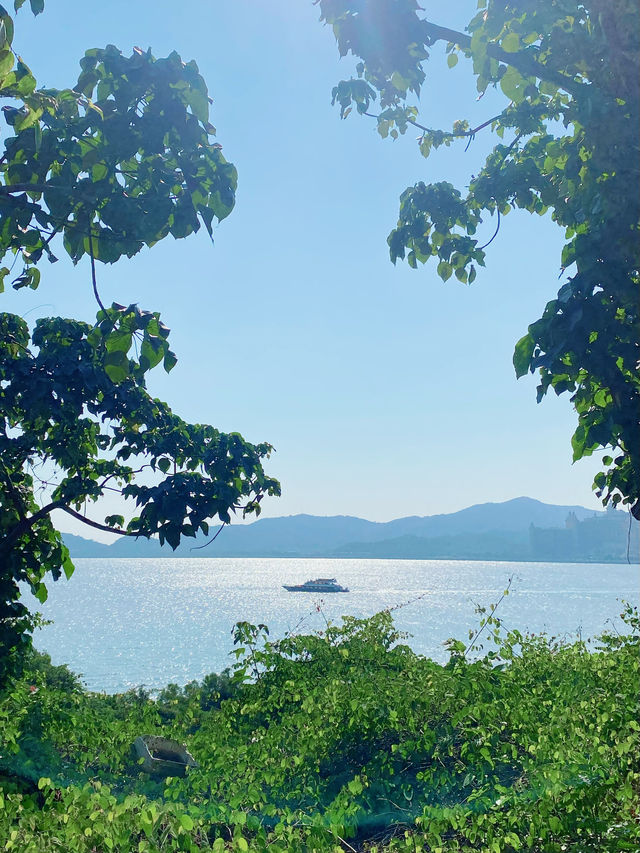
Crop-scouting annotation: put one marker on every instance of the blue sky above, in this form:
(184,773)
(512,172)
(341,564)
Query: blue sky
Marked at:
(384,391)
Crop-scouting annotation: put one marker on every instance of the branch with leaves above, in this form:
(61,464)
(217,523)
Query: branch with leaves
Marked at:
(571,78)
(119,161)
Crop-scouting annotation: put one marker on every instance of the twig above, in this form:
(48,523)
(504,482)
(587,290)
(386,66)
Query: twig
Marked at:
(495,233)
(37,308)
(93,271)
(517,139)
(451,133)
(406,603)
(291,632)
(486,622)
(341,840)
(103,484)
(318,609)
(213,539)
(471,133)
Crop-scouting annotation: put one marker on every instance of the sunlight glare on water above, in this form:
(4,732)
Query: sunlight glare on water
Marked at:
(124,623)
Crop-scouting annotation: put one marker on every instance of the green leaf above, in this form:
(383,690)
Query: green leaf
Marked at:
(118,341)
(28,119)
(116,366)
(6,29)
(170,361)
(186,822)
(445,270)
(41,593)
(513,85)
(522,354)
(510,43)
(99,172)
(355,787)
(199,103)
(399,82)
(67,567)
(151,351)
(6,62)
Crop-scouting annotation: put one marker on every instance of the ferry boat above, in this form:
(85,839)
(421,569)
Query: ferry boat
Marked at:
(317,585)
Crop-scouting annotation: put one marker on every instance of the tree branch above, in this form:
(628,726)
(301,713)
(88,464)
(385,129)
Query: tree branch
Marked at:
(8,189)
(523,62)
(97,524)
(454,134)
(26,524)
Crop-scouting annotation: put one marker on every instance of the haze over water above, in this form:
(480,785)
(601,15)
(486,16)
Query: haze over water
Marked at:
(124,623)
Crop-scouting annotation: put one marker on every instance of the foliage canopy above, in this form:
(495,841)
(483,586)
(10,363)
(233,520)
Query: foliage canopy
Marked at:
(119,161)
(567,145)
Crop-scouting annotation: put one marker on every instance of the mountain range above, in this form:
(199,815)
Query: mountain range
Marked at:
(489,531)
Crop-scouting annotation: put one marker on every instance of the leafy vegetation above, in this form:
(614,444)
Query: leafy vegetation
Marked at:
(119,161)
(344,740)
(339,741)
(567,146)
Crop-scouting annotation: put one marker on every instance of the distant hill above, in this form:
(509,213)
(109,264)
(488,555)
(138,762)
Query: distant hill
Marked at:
(81,547)
(490,531)
(512,546)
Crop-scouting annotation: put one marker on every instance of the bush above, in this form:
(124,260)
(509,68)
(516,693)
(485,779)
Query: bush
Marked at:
(350,735)
(38,666)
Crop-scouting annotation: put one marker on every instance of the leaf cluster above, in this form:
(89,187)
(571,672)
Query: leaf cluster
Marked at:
(74,401)
(117,162)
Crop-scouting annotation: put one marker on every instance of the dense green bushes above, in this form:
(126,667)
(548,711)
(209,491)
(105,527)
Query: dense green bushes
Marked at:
(342,740)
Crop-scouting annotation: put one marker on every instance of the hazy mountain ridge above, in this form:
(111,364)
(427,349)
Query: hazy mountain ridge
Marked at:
(483,531)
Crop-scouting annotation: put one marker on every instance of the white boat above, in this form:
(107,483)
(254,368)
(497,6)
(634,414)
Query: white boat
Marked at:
(317,585)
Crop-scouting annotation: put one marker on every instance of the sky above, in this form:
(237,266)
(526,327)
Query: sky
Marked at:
(384,391)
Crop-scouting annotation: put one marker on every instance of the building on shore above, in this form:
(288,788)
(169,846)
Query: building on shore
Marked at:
(609,537)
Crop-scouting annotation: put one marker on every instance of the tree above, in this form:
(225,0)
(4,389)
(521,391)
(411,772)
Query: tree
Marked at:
(567,145)
(118,162)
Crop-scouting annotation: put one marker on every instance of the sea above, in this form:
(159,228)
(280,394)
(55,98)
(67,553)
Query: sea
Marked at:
(130,623)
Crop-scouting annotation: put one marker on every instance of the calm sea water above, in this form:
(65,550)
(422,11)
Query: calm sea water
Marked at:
(123,623)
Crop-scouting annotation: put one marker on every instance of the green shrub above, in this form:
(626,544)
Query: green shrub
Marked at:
(349,739)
